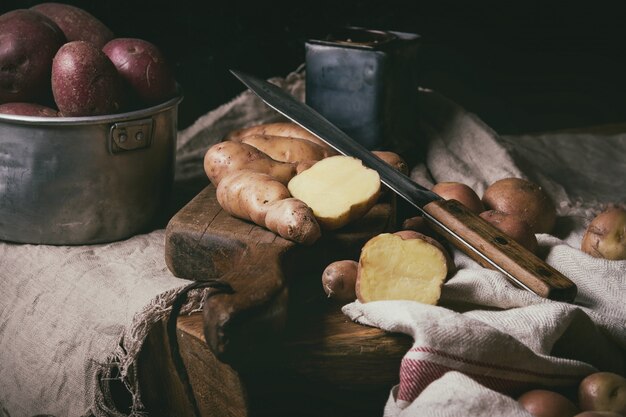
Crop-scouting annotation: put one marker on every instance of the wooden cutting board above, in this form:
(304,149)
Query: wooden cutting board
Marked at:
(273,278)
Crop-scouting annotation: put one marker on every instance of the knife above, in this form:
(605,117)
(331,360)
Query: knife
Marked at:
(464,229)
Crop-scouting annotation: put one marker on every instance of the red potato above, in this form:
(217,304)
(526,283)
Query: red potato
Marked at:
(513,226)
(28,109)
(142,65)
(524,198)
(603,391)
(28,43)
(85,82)
(463,193)
(544,403)
(77,24)
(339,280)
(605,236)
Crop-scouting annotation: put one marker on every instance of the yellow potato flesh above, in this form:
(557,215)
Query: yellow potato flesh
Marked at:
(338,189)
(391,268)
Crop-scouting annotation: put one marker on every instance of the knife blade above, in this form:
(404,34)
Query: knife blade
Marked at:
(465,230)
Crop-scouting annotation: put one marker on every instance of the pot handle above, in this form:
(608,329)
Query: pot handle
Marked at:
(131,135)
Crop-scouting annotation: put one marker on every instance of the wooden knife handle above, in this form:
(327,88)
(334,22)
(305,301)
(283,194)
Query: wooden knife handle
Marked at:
(492,248)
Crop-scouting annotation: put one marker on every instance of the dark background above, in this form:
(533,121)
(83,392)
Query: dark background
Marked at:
(522,66)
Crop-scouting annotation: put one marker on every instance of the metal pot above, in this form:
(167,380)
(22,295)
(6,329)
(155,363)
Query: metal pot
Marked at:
(83,180)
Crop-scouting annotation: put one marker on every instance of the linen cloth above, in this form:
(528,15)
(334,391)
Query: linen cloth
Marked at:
(487,339)
(74,317)
(71,317)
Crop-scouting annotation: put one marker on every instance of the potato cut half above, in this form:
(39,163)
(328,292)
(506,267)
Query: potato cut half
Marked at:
(393,268)
(339,190)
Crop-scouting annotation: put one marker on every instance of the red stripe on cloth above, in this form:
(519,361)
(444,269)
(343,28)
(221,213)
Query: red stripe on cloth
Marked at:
(416,375)
(495,366)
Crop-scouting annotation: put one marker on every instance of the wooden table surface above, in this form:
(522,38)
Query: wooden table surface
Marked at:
(317,370)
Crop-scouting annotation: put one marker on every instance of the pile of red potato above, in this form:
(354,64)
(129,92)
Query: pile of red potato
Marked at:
(59,60)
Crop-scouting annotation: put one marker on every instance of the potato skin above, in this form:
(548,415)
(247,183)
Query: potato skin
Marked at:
(77,24)
(143,67)
(513,226)
(463,193)
(260,198)
(286,149)
(247,194)
(288,129)
(28,43)
(603,391)
(226,157)
(544,403)
(524,198)
(28,109)
(85,82)
(394,160)
(339,280)
(605,236)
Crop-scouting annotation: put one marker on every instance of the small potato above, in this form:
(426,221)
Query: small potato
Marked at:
(77,24)
(394,160)
(544,403)
(226,157)
(524,198)
(339,280)
(460,192)
(85,81)
(603,391)
(513,226)
(28,109)
(605,236)
(28,42)
(419,224)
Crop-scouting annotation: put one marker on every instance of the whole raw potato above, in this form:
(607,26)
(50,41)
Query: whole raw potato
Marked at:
(524,198)
(463,193)
(513,226)
(544,403)
(85,82)
(28,109)
(142,65)
(605,236)
(603,391)
(28,43)
(339,280)
(77,24)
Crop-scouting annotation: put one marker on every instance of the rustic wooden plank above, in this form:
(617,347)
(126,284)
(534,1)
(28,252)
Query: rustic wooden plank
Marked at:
(326,365)
(203,242)
(216,386)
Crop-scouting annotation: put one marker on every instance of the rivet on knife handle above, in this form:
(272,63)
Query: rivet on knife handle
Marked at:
(492,248)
